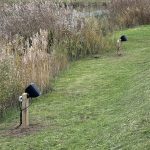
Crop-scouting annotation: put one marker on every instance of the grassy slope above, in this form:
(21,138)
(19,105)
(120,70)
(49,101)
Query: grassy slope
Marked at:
(98,104)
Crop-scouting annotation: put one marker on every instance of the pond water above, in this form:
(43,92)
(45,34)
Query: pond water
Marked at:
(94,13)
(75,17)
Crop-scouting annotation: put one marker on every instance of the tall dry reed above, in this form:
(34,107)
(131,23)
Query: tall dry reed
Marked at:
(37,39)
(19,66)
(129,13)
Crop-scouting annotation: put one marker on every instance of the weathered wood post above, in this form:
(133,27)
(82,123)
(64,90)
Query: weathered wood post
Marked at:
(119,47)
(25,111)
(123,38)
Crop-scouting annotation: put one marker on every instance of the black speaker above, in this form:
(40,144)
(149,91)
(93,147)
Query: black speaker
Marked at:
(123,38)
(32,91)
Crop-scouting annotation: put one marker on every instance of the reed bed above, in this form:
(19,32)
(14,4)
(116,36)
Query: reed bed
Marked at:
(129,13)
(38,39)
(19,67)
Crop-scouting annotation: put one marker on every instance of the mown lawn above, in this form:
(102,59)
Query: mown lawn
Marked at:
(97,104)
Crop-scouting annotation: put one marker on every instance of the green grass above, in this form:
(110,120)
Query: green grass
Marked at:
(97,104)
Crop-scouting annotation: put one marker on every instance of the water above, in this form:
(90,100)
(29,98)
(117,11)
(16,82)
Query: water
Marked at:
(75,19)
(94,13)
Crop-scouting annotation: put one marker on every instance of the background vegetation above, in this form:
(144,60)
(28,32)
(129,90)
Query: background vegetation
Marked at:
(129,13)
(68,1)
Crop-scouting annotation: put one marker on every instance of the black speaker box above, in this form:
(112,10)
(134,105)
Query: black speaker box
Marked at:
(123,38)
(32,91)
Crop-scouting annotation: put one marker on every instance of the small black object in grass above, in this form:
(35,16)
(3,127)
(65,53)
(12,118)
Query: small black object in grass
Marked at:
(96,56)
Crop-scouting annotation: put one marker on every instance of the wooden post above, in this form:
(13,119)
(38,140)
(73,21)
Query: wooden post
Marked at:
(119,45)
(25,111)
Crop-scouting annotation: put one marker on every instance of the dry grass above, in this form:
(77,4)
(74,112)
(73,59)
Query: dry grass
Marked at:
(128,13)
(37,40)
(21,66)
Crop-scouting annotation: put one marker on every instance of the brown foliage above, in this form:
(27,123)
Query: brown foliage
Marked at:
(37,39)
(128,13)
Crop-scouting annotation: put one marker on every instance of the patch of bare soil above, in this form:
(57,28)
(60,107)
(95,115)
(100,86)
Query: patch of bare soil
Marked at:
(19,132)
